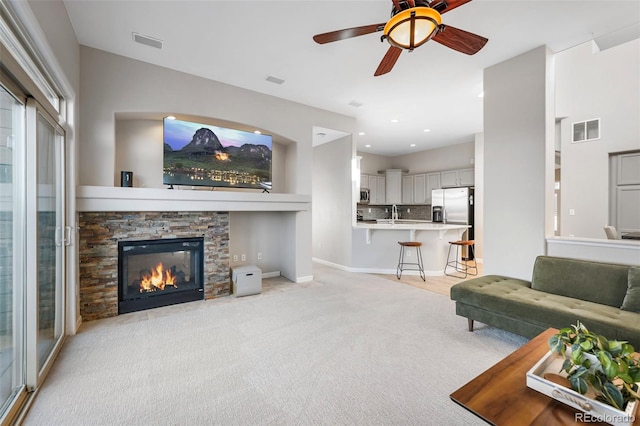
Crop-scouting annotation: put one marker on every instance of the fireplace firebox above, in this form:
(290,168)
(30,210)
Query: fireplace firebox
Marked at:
(154,273)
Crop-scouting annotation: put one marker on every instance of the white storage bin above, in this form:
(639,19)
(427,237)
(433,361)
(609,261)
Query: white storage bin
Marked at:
(246,280)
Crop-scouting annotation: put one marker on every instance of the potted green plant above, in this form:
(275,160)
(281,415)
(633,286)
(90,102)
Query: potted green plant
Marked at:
(609,367)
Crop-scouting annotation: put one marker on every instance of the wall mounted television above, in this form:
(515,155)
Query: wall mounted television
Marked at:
(197,154)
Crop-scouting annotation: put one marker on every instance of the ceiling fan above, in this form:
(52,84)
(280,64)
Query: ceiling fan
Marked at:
(413,23)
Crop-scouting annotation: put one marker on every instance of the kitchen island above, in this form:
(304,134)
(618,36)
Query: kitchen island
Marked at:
(375,246)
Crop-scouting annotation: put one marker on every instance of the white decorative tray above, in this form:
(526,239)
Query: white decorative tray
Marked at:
(593,410)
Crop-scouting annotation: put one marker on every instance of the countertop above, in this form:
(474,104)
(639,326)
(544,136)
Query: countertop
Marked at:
(422,225)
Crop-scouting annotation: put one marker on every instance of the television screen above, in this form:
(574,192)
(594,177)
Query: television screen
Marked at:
(205,155)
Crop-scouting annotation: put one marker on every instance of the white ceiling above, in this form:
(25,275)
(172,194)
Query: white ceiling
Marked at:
(243,42)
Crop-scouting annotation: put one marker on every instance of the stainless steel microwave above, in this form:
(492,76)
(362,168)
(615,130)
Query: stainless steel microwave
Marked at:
(365,196)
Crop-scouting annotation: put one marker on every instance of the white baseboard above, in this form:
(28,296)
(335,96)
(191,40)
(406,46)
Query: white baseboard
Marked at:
(376,270)
(304,279)
(270,274)
(333,265)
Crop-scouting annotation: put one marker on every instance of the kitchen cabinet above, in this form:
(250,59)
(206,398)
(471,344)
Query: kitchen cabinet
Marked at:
(376,186)
(373,189)
(414,189)
(462,177)
(364,181)
(393,186)
(380,195)
(407,189)
(420,189)
(433,182)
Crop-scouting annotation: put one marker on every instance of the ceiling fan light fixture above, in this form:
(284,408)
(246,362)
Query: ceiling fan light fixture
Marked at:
(412,27)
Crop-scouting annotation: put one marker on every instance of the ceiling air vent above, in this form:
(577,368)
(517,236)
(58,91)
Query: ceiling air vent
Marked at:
(355,104)
(584,131)
(275,80)
(148,41)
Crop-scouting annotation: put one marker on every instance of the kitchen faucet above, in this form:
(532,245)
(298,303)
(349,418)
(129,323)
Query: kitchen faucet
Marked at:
(394,213)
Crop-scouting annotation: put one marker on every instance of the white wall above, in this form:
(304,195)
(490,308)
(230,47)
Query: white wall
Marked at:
(139,148)
(625,252)
(112,84)
(518,132)
(459,156)
(332,201)
(479,197)
(595,84)
(370,164)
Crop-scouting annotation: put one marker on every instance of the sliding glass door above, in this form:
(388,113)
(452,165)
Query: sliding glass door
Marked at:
(12,252)
(33,236)
(51,238)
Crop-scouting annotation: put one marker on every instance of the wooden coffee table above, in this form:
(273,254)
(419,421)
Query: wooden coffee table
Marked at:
(500,395)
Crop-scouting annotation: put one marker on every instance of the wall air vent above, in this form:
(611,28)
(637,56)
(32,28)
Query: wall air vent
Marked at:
(584,131)
(147,41)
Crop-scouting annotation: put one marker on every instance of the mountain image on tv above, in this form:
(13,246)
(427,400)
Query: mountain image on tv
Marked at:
(205,155)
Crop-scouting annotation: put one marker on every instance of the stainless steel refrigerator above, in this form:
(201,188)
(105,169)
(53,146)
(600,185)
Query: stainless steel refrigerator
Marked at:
(457,208)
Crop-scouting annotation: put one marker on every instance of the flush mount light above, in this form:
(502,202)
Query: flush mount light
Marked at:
(412,27)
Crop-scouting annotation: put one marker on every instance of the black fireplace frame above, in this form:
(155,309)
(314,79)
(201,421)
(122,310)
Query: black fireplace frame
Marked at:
(152,300)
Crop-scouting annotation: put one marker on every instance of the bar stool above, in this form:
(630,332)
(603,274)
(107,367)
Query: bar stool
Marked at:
(401,261)
(462,267)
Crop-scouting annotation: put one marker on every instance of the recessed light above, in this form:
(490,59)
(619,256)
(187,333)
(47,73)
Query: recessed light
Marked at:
(257,132)
(170,117)
(413,144)
(361,133)
(322,134)
(427,130)
(395,120)
(367,146)
(481,95)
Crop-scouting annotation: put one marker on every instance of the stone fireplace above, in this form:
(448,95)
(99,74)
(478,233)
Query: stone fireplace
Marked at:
(101,233)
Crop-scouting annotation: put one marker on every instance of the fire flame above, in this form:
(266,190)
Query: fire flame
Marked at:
(158,279)
(222,156)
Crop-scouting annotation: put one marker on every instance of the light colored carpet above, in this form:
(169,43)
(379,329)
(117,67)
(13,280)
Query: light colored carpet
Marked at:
(344,349)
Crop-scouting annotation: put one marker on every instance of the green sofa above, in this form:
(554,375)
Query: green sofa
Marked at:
(603,296)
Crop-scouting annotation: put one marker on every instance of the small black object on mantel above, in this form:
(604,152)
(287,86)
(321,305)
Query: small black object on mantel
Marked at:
(126,179)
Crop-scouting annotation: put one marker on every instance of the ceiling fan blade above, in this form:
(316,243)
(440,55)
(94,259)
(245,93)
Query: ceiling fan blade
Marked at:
(347,33)
(388,61)
(444,6)
(460,40)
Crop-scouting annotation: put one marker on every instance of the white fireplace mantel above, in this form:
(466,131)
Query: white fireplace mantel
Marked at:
(108,198)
